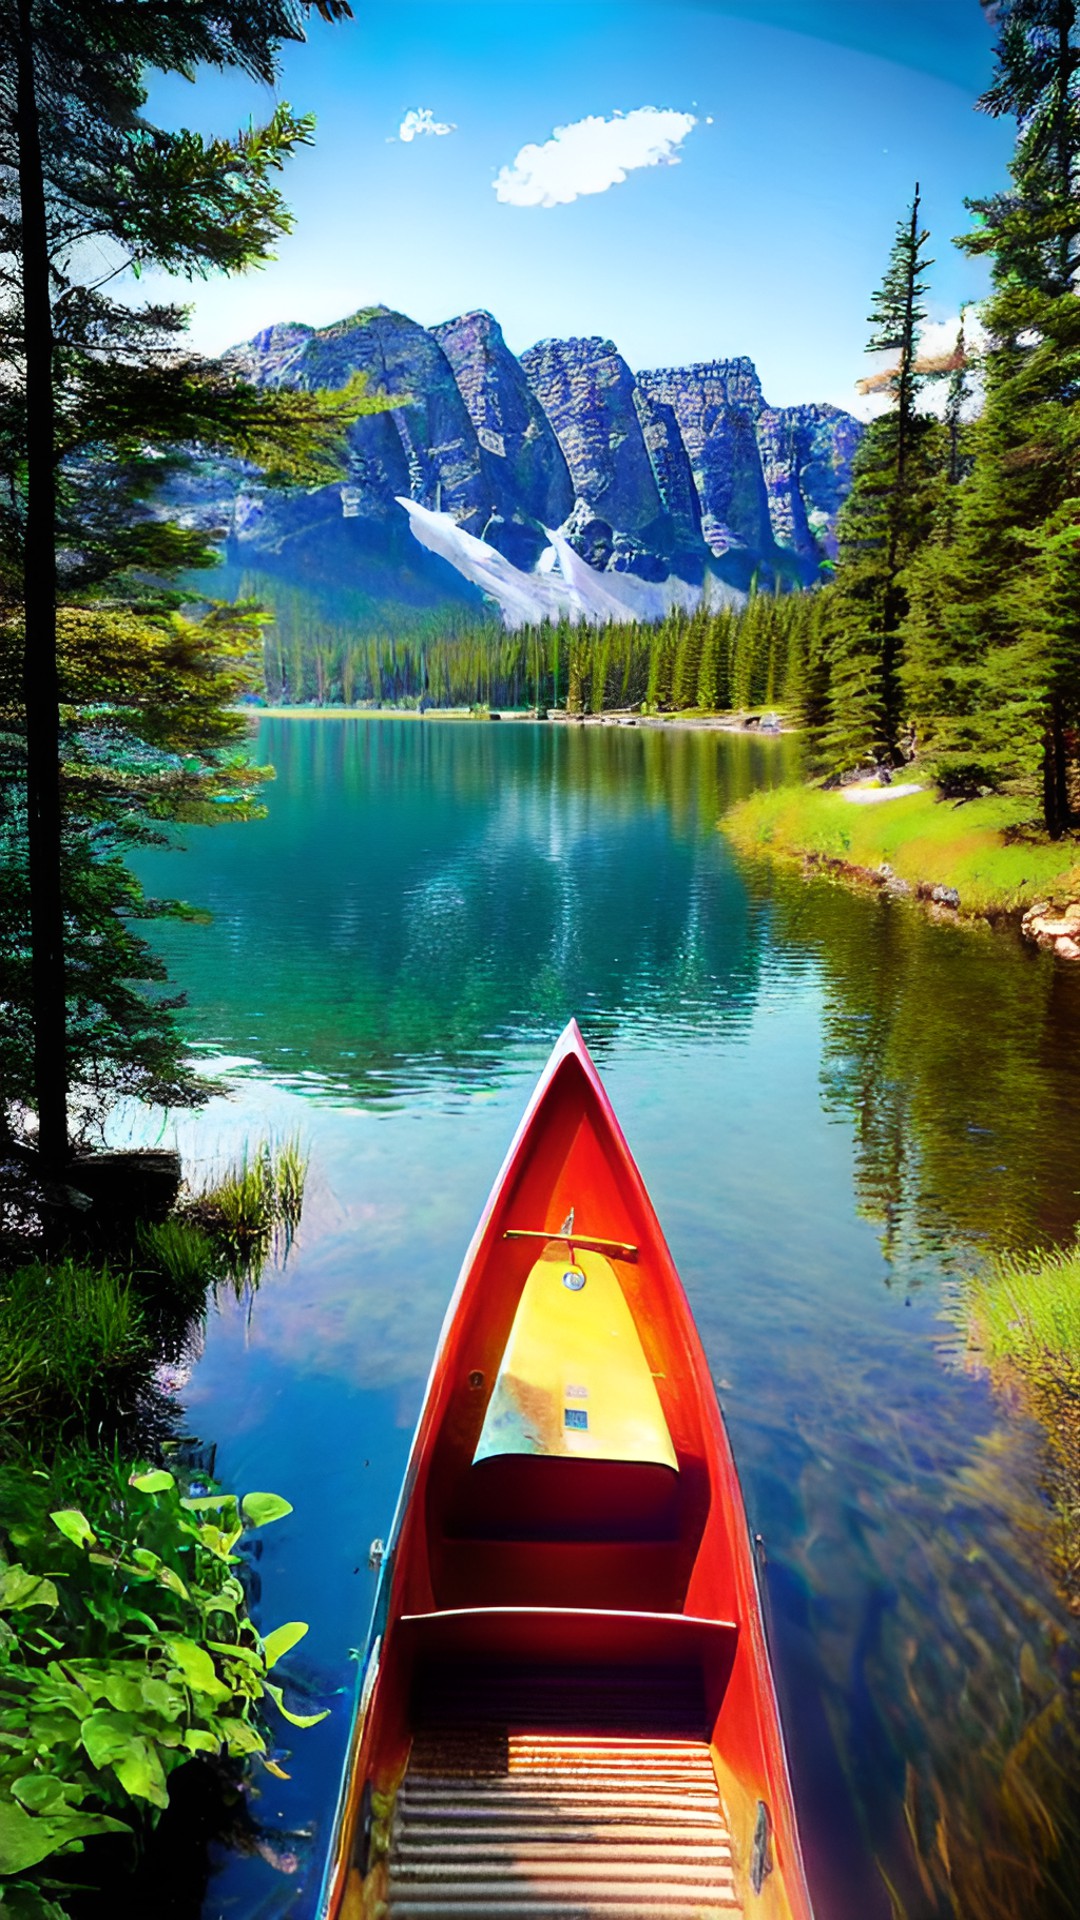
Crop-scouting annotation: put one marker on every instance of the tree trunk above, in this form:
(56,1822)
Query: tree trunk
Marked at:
(40,680)
(1057,809)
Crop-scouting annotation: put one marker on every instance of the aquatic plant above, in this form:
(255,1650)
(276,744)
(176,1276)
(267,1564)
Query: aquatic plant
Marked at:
(125,1652)
(183,1254)
(1021,1316)
(254,1211)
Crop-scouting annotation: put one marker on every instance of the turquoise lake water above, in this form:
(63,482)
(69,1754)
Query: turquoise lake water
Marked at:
(836,1105)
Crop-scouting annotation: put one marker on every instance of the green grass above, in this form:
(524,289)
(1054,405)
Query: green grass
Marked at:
(982,847)
(183,1255)
(70,1335)
(1025,1310)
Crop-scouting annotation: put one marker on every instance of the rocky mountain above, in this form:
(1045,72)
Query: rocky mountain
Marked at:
(537,481)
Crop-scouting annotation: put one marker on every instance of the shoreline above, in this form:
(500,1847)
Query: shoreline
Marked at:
(970,863)
(741,723)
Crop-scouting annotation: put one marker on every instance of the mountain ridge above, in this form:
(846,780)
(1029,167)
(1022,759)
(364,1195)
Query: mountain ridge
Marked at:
(684,477)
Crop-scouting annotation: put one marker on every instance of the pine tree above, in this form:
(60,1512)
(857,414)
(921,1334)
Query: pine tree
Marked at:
(83,165)
(992,659)
(882,523)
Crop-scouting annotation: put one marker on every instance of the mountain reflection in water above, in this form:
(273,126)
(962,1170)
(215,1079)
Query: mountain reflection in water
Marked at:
(835,1104)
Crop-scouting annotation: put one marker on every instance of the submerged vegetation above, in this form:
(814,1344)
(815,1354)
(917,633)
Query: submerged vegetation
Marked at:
(1021,1315)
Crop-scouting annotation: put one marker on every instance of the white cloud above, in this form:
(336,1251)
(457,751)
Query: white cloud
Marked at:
(591,155)
(422,120)
(937,341)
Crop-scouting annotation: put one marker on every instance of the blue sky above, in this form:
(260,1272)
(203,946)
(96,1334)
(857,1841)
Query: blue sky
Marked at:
(766,238)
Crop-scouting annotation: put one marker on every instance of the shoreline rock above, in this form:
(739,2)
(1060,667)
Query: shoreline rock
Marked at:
(1054,927)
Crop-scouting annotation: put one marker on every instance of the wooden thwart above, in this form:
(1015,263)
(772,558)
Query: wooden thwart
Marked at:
(620,1248)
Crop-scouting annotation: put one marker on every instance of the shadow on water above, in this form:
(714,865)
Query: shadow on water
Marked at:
(835,1103)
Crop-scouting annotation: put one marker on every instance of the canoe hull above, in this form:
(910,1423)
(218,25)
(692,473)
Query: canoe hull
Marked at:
(585,1578)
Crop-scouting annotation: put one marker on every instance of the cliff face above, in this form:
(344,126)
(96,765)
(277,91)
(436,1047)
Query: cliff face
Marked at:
(521,456)
(674,474)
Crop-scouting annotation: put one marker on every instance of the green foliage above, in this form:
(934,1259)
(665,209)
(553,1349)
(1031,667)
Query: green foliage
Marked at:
(1026,1308)
(882,523)
(993,669)
(153,734)
(125,1650)
(188,1258)
(683,661)
(70,1337)
(978,848)
(99,408)
(255,1210)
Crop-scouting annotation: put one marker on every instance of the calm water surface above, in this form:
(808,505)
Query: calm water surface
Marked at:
(835,1104)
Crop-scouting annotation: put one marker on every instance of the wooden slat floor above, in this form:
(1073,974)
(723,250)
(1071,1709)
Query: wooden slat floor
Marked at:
(517,1821)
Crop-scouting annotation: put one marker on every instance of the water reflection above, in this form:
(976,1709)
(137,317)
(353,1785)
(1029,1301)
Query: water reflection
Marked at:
(956,1054)
(423,892)
(832,1101)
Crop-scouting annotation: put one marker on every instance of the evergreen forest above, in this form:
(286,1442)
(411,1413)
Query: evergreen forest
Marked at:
(950,630)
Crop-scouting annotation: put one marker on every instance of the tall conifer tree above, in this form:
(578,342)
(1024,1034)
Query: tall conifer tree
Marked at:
(84,169)
(994,630)
(881,524)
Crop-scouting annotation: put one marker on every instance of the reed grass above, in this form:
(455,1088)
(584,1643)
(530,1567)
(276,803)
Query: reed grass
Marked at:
(1026,1310)
(69,1335)
(184,1255)
(253,1213)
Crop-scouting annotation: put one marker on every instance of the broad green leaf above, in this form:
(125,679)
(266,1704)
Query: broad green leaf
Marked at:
(106,1735)
(221,1603)
(281,1640)
(157,1481)
(27,1903)
(220,1544)
(19,1589)
(196,1741)
(260,1508)
(141,1774)
(247,1655)
(162,1699)
(149,1562)
(197,1668)
(27,1838)
(124,1692)
(74,1526)
(295,1719)
(167,1578)
(204,1502)
(46,1792)
(241,1737)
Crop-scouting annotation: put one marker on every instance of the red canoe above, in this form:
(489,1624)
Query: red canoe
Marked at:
(566,1707)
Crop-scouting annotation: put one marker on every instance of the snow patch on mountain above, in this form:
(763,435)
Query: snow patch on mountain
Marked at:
(562,583)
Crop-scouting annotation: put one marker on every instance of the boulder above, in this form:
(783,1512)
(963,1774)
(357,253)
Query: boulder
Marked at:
(1054,927)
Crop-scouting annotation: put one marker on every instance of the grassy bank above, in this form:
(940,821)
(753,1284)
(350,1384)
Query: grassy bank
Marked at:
(981,848)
